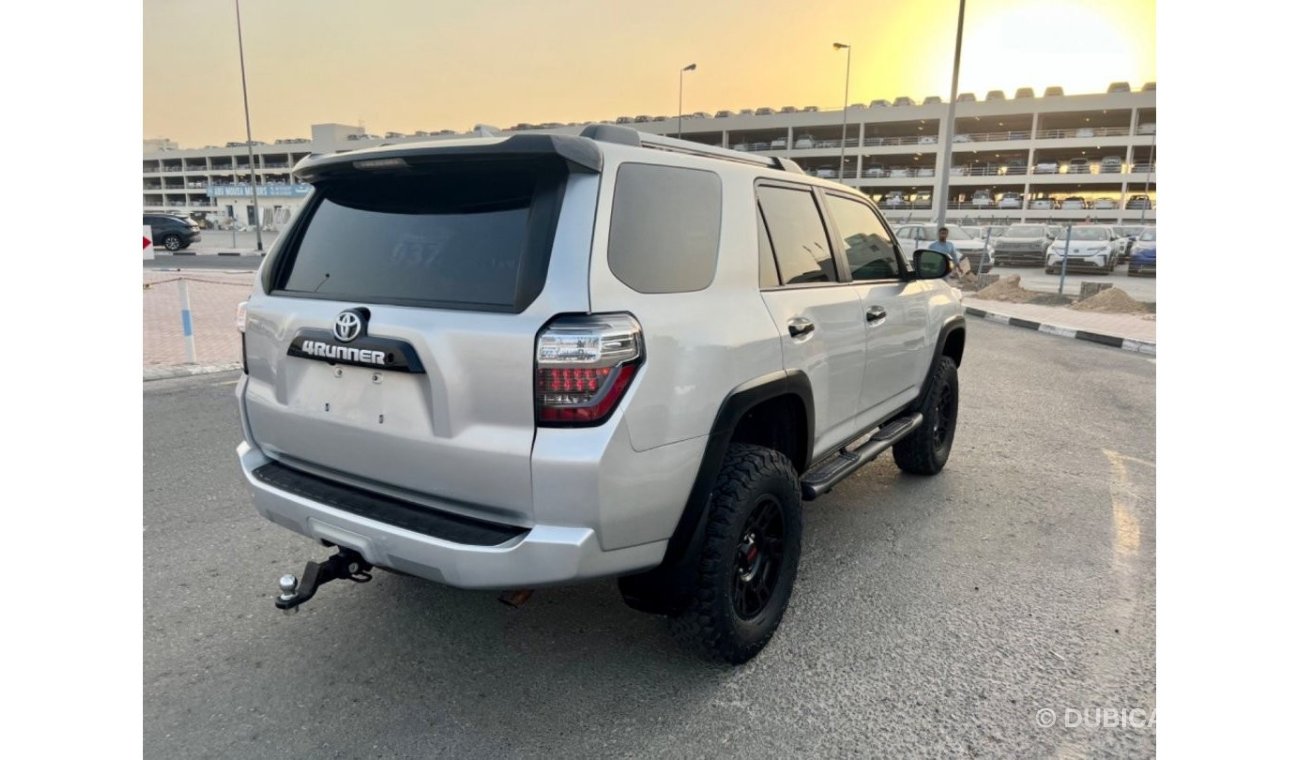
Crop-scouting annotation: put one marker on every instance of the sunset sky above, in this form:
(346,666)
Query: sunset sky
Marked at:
(404,65)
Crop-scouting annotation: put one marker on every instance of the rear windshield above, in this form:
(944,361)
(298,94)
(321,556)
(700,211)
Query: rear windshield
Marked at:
(455,236)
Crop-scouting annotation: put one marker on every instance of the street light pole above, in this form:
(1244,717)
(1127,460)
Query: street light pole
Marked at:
(680,75)
(844,129)
(942,196)
(248,131)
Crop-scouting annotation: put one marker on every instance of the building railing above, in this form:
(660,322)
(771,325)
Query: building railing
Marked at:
(1002,136)
(1059,134)
(904,140)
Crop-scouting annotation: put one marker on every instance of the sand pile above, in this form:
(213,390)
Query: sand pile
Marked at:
(1112,300)
(1006,289)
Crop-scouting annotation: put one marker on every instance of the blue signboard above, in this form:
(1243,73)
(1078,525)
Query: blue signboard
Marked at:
(244,190)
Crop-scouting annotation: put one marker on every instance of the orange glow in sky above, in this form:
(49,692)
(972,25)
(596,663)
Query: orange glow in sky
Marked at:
(406,65)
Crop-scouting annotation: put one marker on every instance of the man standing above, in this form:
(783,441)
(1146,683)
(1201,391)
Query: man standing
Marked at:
(948,249)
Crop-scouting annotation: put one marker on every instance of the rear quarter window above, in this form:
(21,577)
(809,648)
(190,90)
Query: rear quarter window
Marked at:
(664,228)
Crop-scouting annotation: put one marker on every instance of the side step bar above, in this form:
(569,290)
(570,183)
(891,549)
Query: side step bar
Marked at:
(843,463)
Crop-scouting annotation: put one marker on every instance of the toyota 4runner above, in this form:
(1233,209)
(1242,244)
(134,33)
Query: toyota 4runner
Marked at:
(506,363)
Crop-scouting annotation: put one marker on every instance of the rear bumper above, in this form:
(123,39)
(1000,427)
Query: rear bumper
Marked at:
(538,556)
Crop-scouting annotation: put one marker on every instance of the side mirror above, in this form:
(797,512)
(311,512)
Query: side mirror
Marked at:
(931,265)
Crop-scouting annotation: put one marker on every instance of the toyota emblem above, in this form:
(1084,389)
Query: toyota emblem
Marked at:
(347,326)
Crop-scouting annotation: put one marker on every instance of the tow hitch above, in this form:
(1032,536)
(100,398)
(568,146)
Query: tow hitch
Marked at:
(347,564)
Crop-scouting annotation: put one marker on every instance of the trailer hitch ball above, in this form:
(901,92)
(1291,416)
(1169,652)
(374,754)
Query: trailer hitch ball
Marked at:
(288,590)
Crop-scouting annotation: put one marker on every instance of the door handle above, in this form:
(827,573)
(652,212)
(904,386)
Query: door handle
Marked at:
(875,315)
(800,326)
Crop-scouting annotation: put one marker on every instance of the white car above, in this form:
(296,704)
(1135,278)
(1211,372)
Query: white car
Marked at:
(1148,128)
(1047,167)
(873,170)
(1105,204)
(917,237)
(981,199)
(927,140)
(925,171)
(1011,200)
(778,144)
(1092,246)
(1073,203)
(900,172)
(803,141)
(1039,204)
(961,138)
(1084,132)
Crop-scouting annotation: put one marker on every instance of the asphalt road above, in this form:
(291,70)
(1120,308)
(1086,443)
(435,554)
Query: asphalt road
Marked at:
(932,616)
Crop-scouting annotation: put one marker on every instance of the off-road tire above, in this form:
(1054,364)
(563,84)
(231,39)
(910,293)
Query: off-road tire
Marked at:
(752,481)
(925,451)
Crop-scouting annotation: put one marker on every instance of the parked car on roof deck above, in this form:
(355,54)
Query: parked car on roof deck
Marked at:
(1073,203)
(1039,204)
(1104,204)
(803,141)
(981,199)
(1011,200)
(1138,202)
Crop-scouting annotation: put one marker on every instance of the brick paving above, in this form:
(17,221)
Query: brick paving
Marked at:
(213,298)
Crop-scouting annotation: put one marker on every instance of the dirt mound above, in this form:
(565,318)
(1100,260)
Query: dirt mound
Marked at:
(1112,300)
(1006,289)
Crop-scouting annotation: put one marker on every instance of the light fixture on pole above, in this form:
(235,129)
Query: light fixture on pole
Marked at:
(941,198)
(248,131)
(844,128)
(680,75)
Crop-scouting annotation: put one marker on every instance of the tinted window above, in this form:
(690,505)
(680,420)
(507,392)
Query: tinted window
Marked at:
(866,241)
(456,236)
(803,252)
(664,227)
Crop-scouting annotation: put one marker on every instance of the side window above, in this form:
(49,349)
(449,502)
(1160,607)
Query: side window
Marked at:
(767,277)
(664,228)
(905,233)
(803,252)
(866,241)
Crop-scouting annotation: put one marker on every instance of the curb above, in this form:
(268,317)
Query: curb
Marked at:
(1114,341)
(187,370)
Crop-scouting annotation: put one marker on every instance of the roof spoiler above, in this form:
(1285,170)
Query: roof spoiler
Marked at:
(402,157)
(620,135)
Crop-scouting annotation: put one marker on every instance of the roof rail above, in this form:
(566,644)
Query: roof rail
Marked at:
(614,133)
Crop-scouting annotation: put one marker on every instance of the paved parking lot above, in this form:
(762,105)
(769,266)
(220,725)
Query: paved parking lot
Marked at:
(932,617)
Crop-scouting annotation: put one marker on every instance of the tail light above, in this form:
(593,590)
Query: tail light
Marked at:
(583,368)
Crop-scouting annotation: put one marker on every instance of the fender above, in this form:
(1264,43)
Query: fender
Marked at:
(658,590)
(952,324)
(738,402)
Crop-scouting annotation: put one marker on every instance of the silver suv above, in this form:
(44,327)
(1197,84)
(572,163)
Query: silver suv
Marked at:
(507,363)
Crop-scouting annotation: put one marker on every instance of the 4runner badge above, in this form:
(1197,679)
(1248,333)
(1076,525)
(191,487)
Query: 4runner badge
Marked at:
(361,349)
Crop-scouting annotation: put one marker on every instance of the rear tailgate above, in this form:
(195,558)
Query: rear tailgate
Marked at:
(391,343)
